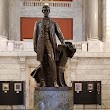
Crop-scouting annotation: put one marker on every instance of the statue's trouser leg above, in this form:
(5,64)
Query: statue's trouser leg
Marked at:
(43,84)
(51,59)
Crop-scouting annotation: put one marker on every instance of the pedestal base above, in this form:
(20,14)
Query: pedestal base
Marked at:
(51,98)
(94,45)
(107,45)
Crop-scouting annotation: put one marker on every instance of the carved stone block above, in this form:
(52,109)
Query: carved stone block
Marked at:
(51,98)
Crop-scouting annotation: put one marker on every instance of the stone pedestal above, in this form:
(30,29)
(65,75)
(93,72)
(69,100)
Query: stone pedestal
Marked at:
(107,45)
(84,46)
(10,45)
(3,43)
(50,98)
(28,45)
(94,45)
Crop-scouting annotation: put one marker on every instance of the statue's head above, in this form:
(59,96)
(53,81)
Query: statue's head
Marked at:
(46,9)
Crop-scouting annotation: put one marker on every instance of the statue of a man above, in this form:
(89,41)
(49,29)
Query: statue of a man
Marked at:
(45,32)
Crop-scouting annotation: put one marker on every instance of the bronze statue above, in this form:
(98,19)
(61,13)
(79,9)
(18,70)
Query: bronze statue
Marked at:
(45,45)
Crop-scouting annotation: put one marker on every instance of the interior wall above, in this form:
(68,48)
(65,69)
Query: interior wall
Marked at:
(17,11)
(27,27)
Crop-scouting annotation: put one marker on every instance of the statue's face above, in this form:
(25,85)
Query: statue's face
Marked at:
(46,10)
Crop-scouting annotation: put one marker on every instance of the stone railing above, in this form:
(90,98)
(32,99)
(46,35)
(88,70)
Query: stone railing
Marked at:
(41,3)
(10,45)
(27,45)
(18,45)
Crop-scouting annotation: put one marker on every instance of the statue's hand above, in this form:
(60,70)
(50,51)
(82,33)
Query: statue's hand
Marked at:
(63,44)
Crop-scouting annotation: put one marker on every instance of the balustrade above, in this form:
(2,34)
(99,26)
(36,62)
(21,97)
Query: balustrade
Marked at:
(18,45)
(51,3)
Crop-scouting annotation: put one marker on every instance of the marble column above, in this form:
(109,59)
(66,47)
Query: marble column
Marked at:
(107,21)
(91,19)
(4,18)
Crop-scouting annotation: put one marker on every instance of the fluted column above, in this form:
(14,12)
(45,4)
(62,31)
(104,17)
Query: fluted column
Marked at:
(4,18)
(92,19)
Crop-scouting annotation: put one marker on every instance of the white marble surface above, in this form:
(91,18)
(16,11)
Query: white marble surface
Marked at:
(28,45)
(88,69)
(91,48)
(95,45)
(3,43)
(10,46)
(84,47)
(107,44)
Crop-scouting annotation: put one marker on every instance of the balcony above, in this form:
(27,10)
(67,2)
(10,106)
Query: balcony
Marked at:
(33,3)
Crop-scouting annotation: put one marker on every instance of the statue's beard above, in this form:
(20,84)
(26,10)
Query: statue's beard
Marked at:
(46,15)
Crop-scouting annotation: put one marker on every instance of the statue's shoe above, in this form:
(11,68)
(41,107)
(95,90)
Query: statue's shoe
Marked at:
(55,84)
(43,84)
